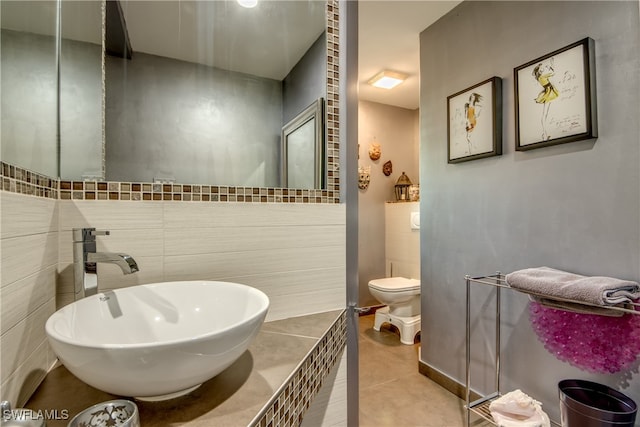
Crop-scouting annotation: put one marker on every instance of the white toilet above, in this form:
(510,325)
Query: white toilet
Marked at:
(402,299)
(400,295)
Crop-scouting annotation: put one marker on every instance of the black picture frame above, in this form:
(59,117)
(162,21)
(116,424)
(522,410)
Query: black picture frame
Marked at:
(474,122)
(555,97)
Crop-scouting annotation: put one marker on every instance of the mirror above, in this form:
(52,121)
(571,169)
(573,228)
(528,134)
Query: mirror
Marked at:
(81,145)
(302,148)
(52,91)
(203,98)
(208,88)
(28,68)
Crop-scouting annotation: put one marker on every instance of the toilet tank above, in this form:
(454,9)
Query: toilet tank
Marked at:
(402,241)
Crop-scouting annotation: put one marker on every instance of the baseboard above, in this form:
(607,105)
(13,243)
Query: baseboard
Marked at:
(445,381)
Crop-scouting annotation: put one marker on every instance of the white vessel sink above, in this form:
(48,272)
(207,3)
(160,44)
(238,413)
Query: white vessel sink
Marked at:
(157,341)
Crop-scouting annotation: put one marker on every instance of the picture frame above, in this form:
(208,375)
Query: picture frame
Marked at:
(474,122)
(555,97)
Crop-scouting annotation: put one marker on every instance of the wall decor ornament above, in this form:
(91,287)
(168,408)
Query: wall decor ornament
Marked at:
(414,193)
(375,151)
(556,97)
(474,122)
(402,188)
(387,168)
(364,177)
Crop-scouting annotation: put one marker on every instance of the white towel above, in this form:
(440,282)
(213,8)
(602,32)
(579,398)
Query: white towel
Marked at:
(595,290)
(516,409)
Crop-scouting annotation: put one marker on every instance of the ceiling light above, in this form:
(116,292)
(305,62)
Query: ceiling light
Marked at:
(247,3)
(387,79)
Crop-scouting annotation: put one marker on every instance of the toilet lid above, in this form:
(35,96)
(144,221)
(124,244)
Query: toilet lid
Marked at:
(395,284)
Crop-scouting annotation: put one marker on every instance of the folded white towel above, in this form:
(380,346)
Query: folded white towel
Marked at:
(516,409)
(595,290)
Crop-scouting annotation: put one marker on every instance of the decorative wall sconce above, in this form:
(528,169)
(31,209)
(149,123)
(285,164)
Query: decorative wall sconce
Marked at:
(402,188)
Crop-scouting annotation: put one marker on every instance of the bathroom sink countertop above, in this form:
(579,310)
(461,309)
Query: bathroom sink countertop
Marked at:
(233,398)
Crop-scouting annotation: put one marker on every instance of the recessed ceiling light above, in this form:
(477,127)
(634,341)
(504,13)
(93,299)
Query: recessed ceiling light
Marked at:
(247,3)
(387,79)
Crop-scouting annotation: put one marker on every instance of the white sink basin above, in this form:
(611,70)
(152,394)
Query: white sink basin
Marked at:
(157,341)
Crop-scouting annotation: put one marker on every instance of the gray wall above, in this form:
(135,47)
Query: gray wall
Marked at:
(307,81)
(29,91)
(195,123)
(396,130)
(574,207)
(199,128)
(28,101)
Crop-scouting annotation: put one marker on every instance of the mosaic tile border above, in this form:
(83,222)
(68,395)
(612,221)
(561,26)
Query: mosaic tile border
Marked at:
(98,190)
(23,181)
(19,180)
(333,98)
(289,404)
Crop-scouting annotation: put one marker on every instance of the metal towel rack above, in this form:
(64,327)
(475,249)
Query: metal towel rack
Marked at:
(480,406)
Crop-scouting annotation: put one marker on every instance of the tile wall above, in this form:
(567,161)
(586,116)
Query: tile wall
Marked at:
(294,253)
(402,243)
(29,258)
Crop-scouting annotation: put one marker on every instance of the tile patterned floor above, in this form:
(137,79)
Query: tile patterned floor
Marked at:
(392,391)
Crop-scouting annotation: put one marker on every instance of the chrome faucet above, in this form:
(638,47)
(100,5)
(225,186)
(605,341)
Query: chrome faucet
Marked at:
(85,260)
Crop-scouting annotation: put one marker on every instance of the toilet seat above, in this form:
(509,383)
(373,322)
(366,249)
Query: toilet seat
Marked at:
(395,284)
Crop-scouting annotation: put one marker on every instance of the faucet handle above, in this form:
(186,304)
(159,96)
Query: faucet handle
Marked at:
(85,235)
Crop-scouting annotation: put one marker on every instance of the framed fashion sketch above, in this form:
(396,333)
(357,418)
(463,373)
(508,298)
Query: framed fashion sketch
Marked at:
(555,97)
(474,122)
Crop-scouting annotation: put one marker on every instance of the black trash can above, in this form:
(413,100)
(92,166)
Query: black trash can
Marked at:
(589,404)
